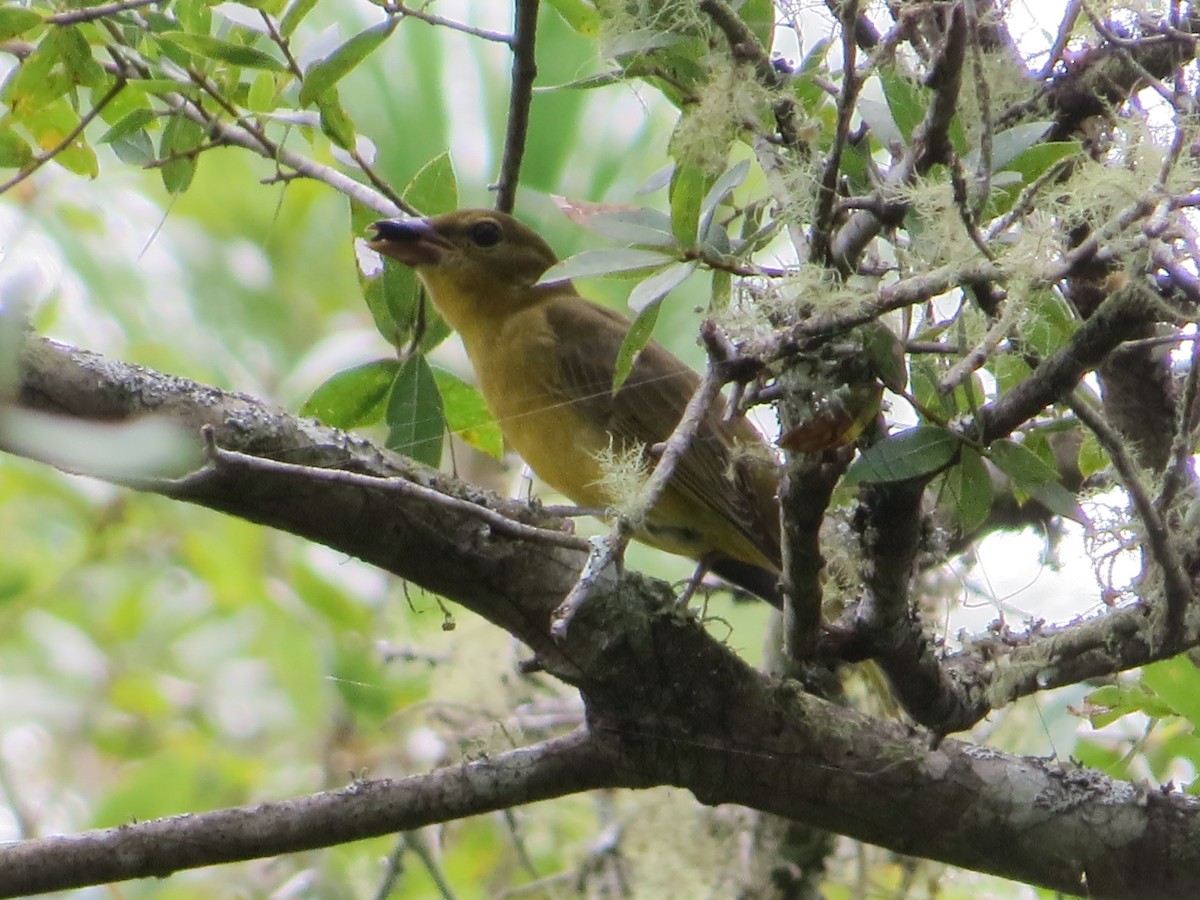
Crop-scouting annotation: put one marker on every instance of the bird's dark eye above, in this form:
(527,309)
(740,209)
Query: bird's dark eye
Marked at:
(485,233)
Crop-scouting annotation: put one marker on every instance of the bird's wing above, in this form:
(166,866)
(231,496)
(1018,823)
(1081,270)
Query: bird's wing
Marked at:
(648,407)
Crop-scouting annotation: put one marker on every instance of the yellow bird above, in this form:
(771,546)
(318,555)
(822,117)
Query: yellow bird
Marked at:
(544,358)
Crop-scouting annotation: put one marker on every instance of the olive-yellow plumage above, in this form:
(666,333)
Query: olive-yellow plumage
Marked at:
(544,358)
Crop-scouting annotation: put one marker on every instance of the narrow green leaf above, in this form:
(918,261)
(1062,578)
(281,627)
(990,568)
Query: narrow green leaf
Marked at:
(910,454)
(434,189)
(1035,477)
(1177,682)
(635,340)
(77,58)
(325,73)
(1048,323)
(134,149)
(689,184)
(335,123)
(1010,143)
(579,14)
(15,20)
(1091,458)
(14,150)
(295,15)
(261,96)
(644,226)
(1036,161)
(804,82)
(37,81)
(51,126)
(730,179)
(180,136)
(134,122)
(600,79)
(467,416)
(759,15)
(595,263)
(651,290)
(968,488)
(414,413)
(226,51)
(906,101)
(886,352)
(354,397)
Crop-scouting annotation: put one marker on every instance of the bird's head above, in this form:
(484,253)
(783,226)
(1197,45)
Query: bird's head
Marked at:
(471,256)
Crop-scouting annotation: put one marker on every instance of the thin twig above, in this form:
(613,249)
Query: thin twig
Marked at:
(1179,472)
(520,98)
(93,13)
(1070,14)
(403,486)
(978,355)
(431,19)
(610,548)
(42,158)
(1176,589)
(822,231)
(983,97)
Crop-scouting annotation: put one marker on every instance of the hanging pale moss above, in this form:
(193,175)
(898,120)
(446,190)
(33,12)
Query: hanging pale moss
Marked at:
(623,478)
(727,104)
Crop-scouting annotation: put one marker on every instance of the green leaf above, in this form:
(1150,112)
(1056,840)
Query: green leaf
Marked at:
(644,226)
(335,123)
(1022,465)
(658,285)
(415,419)
(15,20)
(1034,477)
(1008,370)
(295,15)
(434,189)
(354,397)
(804,83)
(134,149)
(635,340)
(37,81)
(689,184)
(134,122)
(730,179)
(910,454)
(906,101)
(596,263)
(579,14)
(226,51)
(262,93)
(759,15)
(1010,143)
(325,73)
(1036,161)
(1092,458)
(968,487)
(14,150)
(886,354)
(1177,682)
(51,126)
(467,416)
(1048,324)
(180,136)
(77,58)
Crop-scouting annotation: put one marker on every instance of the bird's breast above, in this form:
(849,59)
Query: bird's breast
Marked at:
(516,364)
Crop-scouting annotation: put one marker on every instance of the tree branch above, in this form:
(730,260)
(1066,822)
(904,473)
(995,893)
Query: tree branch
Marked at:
(520,98)
(364,809)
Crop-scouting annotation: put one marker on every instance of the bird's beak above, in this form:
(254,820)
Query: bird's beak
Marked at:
(414,242)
